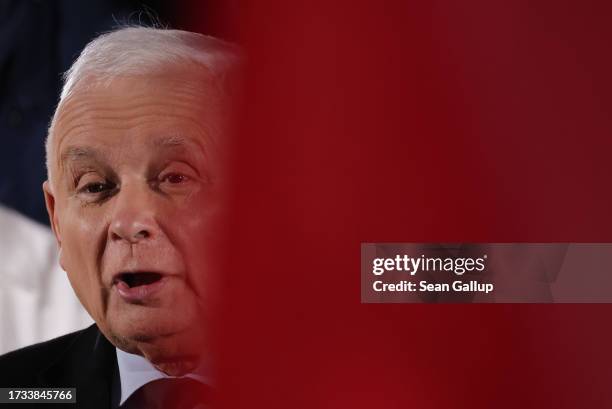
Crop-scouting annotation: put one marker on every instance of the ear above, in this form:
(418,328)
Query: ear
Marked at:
(50,203)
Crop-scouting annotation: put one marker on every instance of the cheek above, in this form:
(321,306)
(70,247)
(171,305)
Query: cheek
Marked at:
(200,217)
(80,235)
(200,236)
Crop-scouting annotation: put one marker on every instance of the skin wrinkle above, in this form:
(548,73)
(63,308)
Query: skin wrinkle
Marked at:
(73,155)
(190,95)
(201,146)
(152,111)
(151,117)
(86,128)
(131,146)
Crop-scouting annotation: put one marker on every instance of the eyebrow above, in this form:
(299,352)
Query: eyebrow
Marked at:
(185,144)
(76,153)
(175,141)
(83,153)
(169,141)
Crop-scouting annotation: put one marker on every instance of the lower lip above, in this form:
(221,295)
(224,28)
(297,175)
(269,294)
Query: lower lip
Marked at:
(140,293)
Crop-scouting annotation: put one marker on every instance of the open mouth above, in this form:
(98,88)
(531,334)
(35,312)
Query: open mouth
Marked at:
(137,279)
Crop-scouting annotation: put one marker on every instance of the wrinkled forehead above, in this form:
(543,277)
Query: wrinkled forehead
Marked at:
(172,106)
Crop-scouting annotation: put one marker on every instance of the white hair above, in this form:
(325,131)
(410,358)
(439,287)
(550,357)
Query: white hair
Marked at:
(141,51)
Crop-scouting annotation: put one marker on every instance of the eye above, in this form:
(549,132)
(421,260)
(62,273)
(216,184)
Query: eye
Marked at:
(175,178)
(94,185)
(97,187)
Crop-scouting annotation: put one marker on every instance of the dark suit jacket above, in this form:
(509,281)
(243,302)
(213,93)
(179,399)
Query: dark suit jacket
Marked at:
(84,360)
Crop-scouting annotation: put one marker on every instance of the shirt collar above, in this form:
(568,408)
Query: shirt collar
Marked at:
(135,371)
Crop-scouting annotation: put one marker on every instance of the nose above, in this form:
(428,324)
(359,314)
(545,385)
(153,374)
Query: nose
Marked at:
(133,217)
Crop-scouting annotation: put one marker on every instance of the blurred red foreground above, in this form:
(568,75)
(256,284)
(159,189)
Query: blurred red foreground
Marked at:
(393,121)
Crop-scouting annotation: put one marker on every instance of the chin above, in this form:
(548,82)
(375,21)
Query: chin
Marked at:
(163,341)
(174,355)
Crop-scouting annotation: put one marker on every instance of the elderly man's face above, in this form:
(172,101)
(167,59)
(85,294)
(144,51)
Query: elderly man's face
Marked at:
(133,203)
